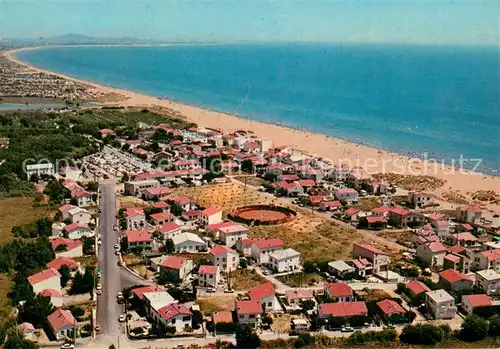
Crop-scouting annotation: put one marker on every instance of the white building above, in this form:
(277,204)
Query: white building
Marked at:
(64,247)
(136,187)
(46,279)
(432,254)
(176,315)
(265,295)
(211,215)
(55,296)
(188,242)
(135,218)
(226,259)
(284,260)
(231,234)
(440,304)
(473,301)
(62,323)
(79,215)
(248,312)
(39,169)
(488,281)
(75,231)
(262,248)
(208,276)
(347,194)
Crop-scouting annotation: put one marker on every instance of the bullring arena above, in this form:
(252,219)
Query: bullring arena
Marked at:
(262,215)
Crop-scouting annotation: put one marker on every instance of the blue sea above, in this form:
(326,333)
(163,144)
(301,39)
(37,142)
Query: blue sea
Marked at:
(439,100)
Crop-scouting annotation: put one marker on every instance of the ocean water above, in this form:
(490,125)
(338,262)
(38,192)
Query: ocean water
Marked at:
(443,101)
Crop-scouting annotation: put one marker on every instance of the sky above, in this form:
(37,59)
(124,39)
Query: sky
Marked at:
(403,21)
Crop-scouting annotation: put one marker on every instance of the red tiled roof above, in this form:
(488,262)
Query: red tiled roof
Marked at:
(139,292)
(452,276)
(216,226)
(370,249)
(173,262)
(346,191)
(79,192)
(248,242)
(248,307)
(339,290)
(491,255)
(167,227)
(75,226)
(381,209)
(66,208)
(465,236)
(343,309)
(192,213)
(268,243)
(287,185)
(61,318)
(467,226)
(335,203)
(299,294)
(436,216)
(217,250)
(60,261)
(172,310)
(132,212)
(42,276)
(399,211)
(417,287)
(351,211)
(316,199)
(261,291)
(452,257)
(157,191)
(436,246)
(160,204)
(222,317)
(138,236)
(456,249)
(70,244)
(210,211)
(307,183)
(208,269)
(49,292)
(161,217)
(389,307)
(472,208)
(376,219)
(478,300)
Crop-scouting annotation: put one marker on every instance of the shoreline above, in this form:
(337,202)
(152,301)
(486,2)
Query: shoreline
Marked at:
(358,155)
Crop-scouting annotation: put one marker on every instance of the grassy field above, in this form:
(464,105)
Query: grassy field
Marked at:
(252,180)
(367,204)
(5,304)
(17,211)
(210,305)
(300,279)
(243,279)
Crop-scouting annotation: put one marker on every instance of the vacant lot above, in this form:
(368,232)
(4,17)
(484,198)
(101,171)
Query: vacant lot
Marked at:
(300,279)
(252,180)
(211,305)
(17,211)
(316,238)
(243,279)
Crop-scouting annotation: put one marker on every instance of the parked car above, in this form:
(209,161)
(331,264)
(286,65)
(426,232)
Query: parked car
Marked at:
(347,329)
(117,247)
(228,290)
(97,328)
(266,272)
(98,287)
(121,318)
(99,292)
(68,346)
(211,289)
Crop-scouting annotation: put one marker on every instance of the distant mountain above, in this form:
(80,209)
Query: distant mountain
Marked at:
(78,39)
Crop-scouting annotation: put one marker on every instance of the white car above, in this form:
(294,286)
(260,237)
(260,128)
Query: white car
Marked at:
(121,318)
(99,275)
(99,292)
(117,247)
(99,242)
(68,346)
(98,287)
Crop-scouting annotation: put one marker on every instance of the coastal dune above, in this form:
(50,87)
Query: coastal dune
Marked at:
(372,160)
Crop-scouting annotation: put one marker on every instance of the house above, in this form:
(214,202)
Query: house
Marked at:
(27,330)
(185,203)
(442,228)
(83,197)
(160,205)
(211,215)
(362,266)
(289,188)
(135,218)
(230,235)
(140,291)
(420,199)
(487,260)
(39,169)
(440,304)
(45,279)
(226,259)
(222,317)
(262,248)
(154,193)
(139,239)
(379,259)
(188,242)
(340,268)
(62,324)
(389,308)
(473,301)
(248,312)
(266,295)
(403,218)
(176,267)
(469,214)
(342,309)
(381,211)
(59,262)
(175,315)
(416,288)
(64,211)
(208,276)
(462,239)
(488,281)
(375,222)
(154,301)
(284,260)
(75,231)
(348,195)
(339,292)
(191,215)
(106,132)
(432,254)
(162,218)
(64,247)
(340,172)
(135,187)
(244,246)
(455,281)
(169,230)
(352,214)
(79,215)
(295,296)
(329,205)
(459,262)
(56,297)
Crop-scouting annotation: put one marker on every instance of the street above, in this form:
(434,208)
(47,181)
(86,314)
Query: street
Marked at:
(108,310)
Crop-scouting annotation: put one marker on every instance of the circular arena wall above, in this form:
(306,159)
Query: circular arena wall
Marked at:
(262,215)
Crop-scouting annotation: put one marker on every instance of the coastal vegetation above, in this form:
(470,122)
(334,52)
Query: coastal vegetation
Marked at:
(411,182)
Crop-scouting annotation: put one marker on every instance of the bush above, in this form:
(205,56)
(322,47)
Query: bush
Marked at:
(384,336)
(422,334)
(246,338)
(474,328)
(305,340)
(494,330)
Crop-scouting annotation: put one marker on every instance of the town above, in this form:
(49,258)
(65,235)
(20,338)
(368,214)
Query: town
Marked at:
(200,238)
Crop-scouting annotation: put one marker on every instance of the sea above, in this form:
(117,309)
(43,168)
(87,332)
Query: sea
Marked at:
(437,102)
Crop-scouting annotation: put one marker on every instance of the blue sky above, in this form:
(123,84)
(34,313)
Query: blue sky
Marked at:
(404,21)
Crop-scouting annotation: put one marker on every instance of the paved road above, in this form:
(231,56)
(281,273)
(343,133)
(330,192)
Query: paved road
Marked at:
(108,310)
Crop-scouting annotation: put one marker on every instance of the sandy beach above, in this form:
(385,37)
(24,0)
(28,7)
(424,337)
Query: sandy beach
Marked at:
(370,159)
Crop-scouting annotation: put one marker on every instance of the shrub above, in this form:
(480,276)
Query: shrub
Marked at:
(422,334)
(474,328)
(305,340)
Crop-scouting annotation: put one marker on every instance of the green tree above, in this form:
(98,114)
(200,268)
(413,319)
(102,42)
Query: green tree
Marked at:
(35,310)
(494,330)
(243,264)
(15,340)
(197,319)
(474,328)
(247,166)
(175,209)
(246,338)
(65,275)
(83,283)
(306,305)
(422,334)
(305,340)
(169,246)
